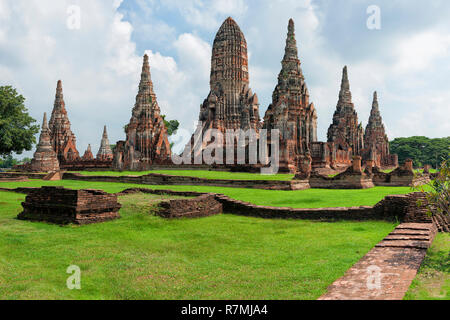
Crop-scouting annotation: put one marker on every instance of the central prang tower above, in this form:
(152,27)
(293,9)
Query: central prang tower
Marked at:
(231,104)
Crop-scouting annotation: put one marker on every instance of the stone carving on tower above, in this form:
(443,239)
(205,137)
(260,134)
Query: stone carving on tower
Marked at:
(44,159)
(376,142)
(231,104)
(105,153)
(345,131)
(61,136)
(147,140)
(291,111)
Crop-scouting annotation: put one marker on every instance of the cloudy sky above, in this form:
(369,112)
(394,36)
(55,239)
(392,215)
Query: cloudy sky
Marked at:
(99,57)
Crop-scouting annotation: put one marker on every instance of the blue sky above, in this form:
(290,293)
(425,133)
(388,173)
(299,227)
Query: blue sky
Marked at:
(406,61)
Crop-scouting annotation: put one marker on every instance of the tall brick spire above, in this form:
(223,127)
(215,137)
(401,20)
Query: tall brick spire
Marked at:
(290,111)
(231,104)
(105,152)
(345,95)
(375,137)
(44,159)
(147,140)
(62,138)
(346,131)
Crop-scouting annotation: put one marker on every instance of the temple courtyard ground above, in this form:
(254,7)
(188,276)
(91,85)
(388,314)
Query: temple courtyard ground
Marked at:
(143,256)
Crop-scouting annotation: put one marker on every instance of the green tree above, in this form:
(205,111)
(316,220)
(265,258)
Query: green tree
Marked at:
(421,150)
(438,199)
(8,162)
(171,125)
(17,129)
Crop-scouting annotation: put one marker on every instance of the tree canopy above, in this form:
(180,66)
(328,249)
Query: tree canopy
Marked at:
(17,129)
(422,150)
(171,125)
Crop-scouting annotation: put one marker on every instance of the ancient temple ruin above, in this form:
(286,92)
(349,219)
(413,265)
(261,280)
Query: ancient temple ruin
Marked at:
(291,111)
(88,156)
(147,140)
(345,131)
(376,142)
(61,136)
(231,104)
(44,159)
(105,153)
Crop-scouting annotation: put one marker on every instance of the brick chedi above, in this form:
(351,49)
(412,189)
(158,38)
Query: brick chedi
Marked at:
(88,156)
(376,142)
(62,138)
(291,111)
(105,152)
(44,159)
(345,131)
(147,140)
(231,103)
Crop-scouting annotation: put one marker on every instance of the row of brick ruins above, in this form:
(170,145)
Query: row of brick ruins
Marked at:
(231,104)
(57,143)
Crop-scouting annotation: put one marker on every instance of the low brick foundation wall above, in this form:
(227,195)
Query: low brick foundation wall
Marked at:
(202,206)
(13,179)
(29,175)
(392,208)
(341,182)
(163,179)
(65,206)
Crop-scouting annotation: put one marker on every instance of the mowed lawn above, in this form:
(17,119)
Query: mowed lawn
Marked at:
(312,198)
(142,256)
(433,279)
(206,174)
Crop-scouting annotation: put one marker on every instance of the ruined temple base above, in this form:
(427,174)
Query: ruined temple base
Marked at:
(202,206)
(341,182)
(63,206)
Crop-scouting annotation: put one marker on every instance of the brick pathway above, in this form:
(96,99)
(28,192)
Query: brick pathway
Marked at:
(387,271)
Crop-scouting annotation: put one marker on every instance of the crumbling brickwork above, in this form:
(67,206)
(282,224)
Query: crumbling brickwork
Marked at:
(202,206)
(61,136)
(64,206)
(147,140)
(291,112)
(346,132)
(45,158)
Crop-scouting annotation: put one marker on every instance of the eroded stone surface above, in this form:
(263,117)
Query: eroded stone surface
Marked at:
(291,112)
(231,104)
(147,141)
(62,138)
(88,156)
(64,206)
(346,132)
(376,142)
(45,158)
(105,153)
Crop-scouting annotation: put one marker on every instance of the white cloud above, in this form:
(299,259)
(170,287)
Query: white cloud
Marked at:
(207,14)
(100,63)
(418,52)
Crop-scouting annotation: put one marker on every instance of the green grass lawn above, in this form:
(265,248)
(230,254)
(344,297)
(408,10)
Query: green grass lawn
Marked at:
(433,280)
(312,198)
(142,256)
(196,173)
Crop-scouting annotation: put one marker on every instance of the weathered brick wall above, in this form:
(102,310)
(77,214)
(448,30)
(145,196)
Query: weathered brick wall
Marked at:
(392,208)
(5,178)
(202,206)
(162,179)
(65,206)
